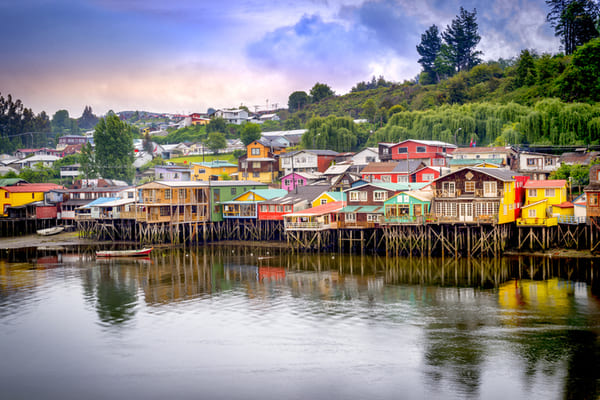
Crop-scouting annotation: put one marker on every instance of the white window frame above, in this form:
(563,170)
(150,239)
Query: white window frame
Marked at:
(490,189)
(380,195)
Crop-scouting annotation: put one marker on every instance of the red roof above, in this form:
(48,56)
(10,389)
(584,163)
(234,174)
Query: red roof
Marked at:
(564,204)
(550,183)
(32,187)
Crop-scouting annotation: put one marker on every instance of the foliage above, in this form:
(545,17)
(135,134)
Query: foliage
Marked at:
(188,160)
(88,120)
(250,133)
(238,153)
(292,123)
(20,127)
(87,160)
(573,21)
(216,141)
(38,174)
(461,36)
(114,148)
(192,133)
(320,91)
(373,84)
(369,110)
(216,125)
(428,49)
(333,133)
(297,101)
(147,143)
(581,79)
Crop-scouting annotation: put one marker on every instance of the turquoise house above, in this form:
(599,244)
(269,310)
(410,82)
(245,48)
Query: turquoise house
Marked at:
(408,207)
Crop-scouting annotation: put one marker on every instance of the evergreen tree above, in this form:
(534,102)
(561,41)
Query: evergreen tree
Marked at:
(574,21)
(88,120)
(297,101)
(114,148)
(462,38)
(320,91)
(429,49)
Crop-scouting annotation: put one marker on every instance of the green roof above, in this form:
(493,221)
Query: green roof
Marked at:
(264,193)
(362,209)
(215,164)
(337,196)
(475,161)
(11,181)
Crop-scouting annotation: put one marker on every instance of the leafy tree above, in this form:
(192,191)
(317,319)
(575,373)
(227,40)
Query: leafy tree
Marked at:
(320,91)
(38,174)
(292,123)
(297,101)
(147,143)
(216,125)
(573,21)
(114,148)
(444,63)
(369,110)
(375,83)
(581,80)
(428,49)
(250,133)
(88,120)
(216,141)
(462,38)
(61,121)
(334,133)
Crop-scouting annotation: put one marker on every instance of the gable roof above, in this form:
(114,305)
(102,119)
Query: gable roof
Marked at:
(400,186)
(550,183)
(398,167)
(320,209)
(498,173)
(32,187)
(307,193)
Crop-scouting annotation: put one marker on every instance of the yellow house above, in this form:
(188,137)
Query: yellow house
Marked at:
(328,197)
(545,202)
(213,170)
(24,193)
(259,163)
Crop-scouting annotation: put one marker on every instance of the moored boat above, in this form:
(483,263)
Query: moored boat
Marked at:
(124,253)
(50,231)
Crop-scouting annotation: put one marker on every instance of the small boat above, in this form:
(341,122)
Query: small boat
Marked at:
(124,253)
(50,231)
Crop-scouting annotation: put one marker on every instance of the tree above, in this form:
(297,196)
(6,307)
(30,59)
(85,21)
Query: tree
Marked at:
(574,21)
(320,91)
(216,141)
(297,101)
(581,79)
(88,120)
(428,49)
(292,123)
(216,125)
(369,109)
(147,143)
(462,38)
(526,71)
(250,133)
(114,149)
(61,121)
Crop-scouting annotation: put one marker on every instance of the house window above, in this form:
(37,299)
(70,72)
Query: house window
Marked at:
(350,217)
(531,213)
(593,199)
(279,208)
(233,191)
(255,151)
(256,165)
(380,195)
(264,208)
(323,201)
(286,161)
(438,162)
(182,194)
(287,182)
(6,195)
(549,193)
(354,196)
(386,178)
(531,193)
(531,161)
(402,178)
(217,195)
(164,211)
(448,188)
(549,161)
(244,165)
(372,217)
(421,149)
(402,150)
(168,194)
(469,187)
(489,189)
(288,208)
(256,174)
(363,196)
(428,177)
(386,151)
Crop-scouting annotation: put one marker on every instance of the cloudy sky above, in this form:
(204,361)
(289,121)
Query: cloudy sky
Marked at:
(183,56)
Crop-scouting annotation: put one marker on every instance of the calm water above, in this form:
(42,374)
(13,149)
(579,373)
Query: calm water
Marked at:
(243,323)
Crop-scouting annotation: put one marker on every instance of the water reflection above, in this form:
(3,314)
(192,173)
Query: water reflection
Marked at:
(468,326)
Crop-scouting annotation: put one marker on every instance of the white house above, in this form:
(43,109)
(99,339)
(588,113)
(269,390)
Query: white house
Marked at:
(368,155)
(46,161)
(537,165)
(237,116)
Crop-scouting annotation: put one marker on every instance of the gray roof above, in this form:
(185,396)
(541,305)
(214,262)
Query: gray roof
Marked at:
(498,173)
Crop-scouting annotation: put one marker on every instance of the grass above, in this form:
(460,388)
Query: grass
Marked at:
(207,157)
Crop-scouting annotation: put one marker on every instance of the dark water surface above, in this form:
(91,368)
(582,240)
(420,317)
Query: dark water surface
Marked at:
(251,323)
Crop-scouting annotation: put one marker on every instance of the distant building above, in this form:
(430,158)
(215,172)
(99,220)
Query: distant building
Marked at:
(237,116)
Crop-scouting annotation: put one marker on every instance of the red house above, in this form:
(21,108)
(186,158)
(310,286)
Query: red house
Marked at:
(427,174)
(432,152)
(392,172)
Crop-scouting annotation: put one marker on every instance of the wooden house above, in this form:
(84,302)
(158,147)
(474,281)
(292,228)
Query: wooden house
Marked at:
(294,201)
(592,192)
(72,201)
(410,207)
(318,218)
(213,170)
(246,204)
(365,205)
(432,152)
(328,197)
(224,191)
(307,161)
(501,157)
(295,179)
(172,173)
(173,201)
(260,163)
(478,195)
(545,201)
(24,193)
(536,165)
(580,208)
(392,172)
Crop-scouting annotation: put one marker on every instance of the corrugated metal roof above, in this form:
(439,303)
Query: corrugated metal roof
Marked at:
(320,210)
(32,187)
(362,209)
(550,183)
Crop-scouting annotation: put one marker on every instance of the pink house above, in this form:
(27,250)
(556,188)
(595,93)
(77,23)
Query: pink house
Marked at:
(290,181)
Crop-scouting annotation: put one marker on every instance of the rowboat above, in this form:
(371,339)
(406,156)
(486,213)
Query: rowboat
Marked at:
(124,253)
(50,231)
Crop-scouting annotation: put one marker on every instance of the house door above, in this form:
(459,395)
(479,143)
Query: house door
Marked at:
(465,212)
(417,210)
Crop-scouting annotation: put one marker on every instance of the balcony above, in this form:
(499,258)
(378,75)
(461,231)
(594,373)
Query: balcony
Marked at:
(414,220)
(537,221)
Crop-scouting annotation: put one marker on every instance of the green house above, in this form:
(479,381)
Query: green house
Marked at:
(224,191)
(408,207)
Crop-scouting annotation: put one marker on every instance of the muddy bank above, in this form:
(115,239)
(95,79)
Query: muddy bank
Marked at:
(62,239)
